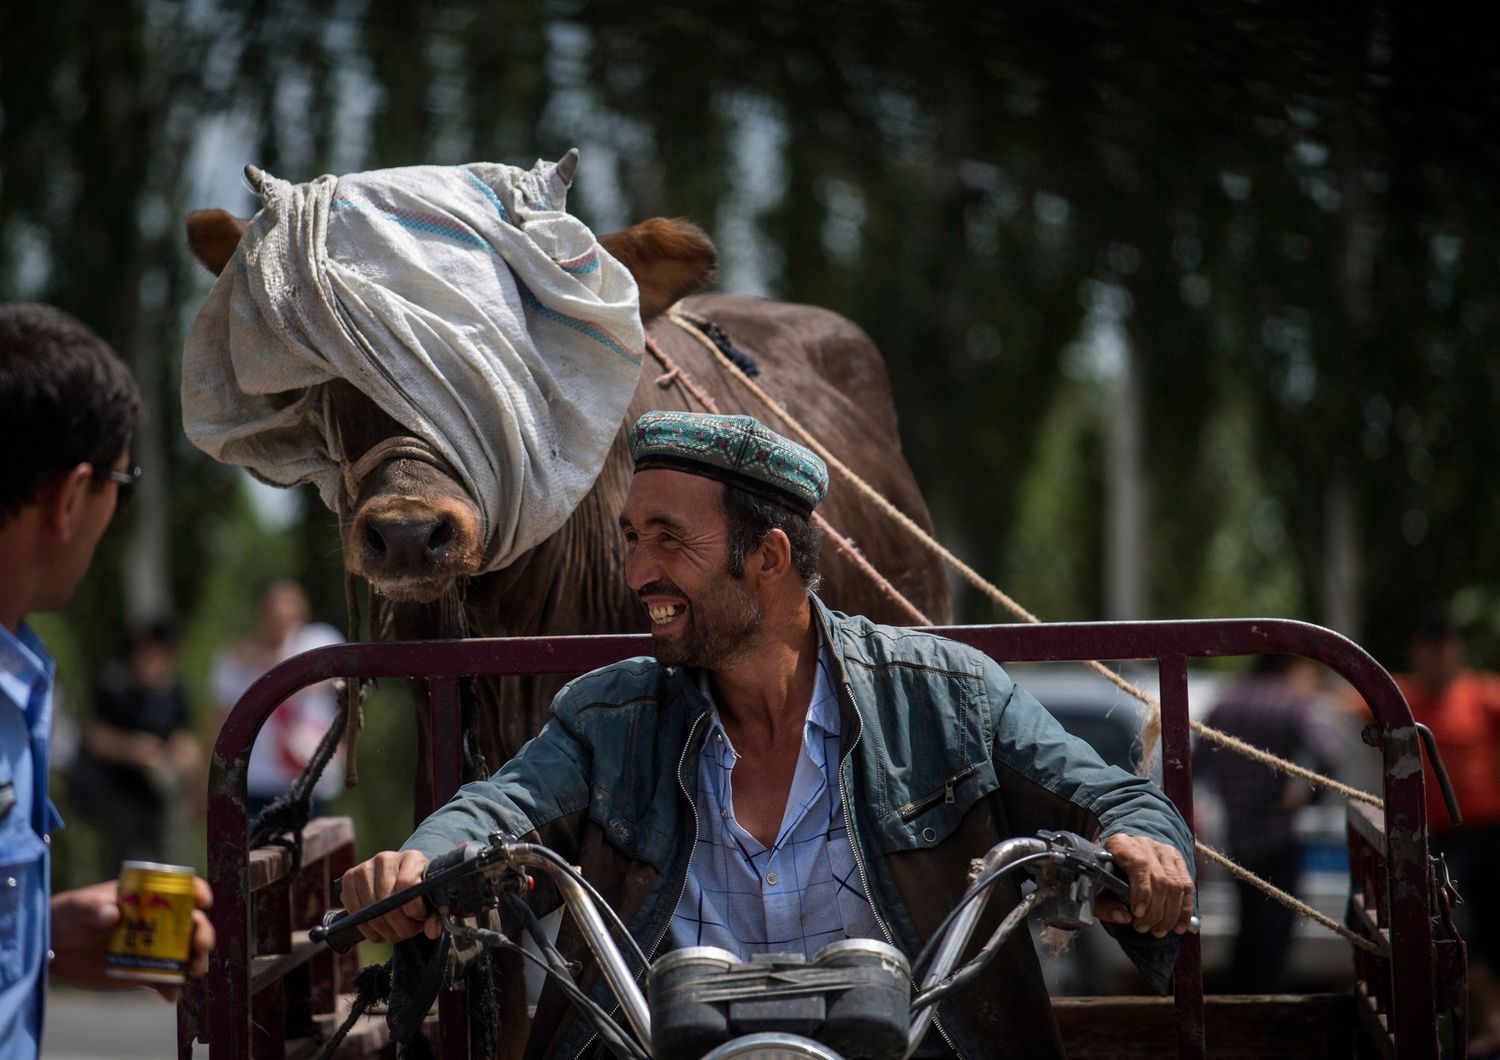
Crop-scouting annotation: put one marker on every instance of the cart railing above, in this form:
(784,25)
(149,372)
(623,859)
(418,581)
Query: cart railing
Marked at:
(1395,992)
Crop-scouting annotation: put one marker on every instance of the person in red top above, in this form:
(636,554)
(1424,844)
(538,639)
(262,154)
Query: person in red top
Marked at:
(1462,708)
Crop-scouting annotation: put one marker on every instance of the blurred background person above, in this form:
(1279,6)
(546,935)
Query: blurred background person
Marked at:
(292,733)
(135,752)
(1462,708)
(1275,707)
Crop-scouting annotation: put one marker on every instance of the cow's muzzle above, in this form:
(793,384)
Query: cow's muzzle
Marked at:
(413,551)
(408,546)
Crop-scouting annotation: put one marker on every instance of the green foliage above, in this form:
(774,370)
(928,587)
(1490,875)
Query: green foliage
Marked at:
(1243,566)
(1286,215)
(1058,502)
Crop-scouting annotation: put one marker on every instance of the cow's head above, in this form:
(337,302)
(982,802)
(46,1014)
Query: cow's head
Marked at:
(411,528)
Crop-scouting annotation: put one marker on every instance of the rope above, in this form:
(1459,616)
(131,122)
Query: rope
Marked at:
(282,821)
(287,813)
(396,447)
(674,373)
(370,985)
(690,322)
(1266,758)
(1293,903)
(683,319)
(352,700)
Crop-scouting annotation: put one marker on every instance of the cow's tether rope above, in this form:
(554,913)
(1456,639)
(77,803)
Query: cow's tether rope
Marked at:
(690,323)
(1238,870)
(687,321)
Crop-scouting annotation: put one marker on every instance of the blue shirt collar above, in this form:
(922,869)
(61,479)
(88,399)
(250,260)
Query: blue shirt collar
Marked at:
(25,666)
(823,711)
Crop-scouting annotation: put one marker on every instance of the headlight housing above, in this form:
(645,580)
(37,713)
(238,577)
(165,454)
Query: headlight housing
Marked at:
(772,1046)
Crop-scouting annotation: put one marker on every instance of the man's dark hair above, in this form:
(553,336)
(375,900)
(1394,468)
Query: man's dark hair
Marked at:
(65,399)
(751,516)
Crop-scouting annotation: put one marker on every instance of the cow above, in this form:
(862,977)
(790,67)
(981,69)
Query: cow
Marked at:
(412,532)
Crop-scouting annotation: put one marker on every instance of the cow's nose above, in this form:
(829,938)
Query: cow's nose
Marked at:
(408,545)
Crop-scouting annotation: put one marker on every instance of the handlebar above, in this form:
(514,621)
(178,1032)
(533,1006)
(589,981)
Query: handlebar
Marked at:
(454,883)
(1070,873)
(475,876)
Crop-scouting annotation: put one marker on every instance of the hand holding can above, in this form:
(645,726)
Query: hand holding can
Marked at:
(84,923)
(153,941)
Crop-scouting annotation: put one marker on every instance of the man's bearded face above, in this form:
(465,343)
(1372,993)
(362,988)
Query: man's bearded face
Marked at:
(677,544)
(716,625)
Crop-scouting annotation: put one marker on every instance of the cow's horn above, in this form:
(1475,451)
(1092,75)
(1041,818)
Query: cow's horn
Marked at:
(567,165)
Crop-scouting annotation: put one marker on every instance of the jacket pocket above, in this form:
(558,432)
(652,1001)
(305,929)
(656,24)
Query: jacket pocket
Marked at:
(21,855)
(945,795)
(928,818)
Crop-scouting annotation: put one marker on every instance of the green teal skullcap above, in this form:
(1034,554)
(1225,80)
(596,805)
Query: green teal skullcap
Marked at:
(736,449)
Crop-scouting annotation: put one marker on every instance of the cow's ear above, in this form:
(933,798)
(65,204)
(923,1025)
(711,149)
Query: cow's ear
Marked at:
(213,235)
(669,260)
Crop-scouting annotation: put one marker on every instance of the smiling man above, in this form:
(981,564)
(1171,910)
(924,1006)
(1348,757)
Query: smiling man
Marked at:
(780,775)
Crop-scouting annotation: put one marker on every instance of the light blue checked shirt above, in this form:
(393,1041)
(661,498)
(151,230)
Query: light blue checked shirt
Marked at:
(797,895)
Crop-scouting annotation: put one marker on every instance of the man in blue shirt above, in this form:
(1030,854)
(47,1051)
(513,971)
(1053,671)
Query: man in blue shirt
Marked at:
(67,409)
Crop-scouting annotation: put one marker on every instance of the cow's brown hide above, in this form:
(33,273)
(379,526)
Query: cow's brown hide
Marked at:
(413,531)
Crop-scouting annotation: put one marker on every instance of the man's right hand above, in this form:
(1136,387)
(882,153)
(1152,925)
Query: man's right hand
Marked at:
(382,876)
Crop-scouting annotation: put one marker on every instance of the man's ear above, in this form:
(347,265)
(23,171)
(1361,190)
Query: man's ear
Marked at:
(64,498)
(772,558)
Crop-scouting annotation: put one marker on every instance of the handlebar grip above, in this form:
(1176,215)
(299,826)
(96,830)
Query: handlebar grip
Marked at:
(1113,884)
(453,859)
(339,937)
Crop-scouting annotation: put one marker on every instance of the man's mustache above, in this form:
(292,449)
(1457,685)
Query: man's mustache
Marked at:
(661,588)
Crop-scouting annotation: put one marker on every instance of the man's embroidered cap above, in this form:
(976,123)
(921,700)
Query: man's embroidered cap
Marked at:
(736,449)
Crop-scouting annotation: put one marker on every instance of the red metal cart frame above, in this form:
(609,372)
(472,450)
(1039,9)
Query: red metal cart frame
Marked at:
(1396,996)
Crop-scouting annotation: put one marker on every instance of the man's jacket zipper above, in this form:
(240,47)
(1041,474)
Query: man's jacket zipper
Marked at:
(693,849)
(909,810)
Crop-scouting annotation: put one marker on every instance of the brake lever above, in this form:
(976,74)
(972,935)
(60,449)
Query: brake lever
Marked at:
(1076,875)
(1070,877)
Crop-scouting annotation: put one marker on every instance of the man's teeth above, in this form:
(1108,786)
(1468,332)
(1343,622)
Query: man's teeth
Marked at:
(662,613)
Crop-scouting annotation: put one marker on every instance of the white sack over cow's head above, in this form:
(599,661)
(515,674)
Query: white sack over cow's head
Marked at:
(443,351)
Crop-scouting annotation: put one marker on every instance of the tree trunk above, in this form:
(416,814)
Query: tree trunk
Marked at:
(148,561)
(1340,573)
(1341,590)
(1125,553)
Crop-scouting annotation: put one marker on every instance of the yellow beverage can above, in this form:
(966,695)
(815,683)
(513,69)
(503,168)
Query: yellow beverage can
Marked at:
(154,938)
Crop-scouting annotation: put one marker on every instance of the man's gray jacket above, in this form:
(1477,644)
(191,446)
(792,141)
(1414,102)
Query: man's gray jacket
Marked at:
(942,757)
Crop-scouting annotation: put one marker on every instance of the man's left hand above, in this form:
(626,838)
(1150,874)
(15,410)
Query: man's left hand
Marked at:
(83,920)
(1161,888)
